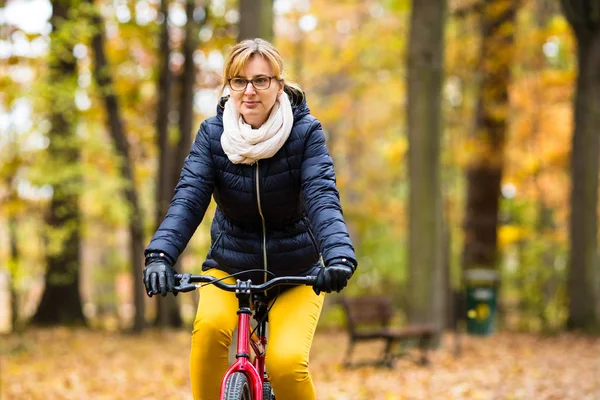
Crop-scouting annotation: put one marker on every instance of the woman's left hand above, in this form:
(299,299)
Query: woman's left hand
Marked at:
(332,278)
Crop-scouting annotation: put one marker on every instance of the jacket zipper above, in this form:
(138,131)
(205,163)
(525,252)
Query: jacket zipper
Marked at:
(214,244)
(262,217)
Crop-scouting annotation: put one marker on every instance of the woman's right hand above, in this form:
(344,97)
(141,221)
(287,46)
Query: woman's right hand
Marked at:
(159,277)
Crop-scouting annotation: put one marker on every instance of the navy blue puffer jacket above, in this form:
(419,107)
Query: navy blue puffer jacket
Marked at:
(279,214)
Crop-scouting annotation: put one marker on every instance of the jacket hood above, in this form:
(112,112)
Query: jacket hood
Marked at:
(299,106)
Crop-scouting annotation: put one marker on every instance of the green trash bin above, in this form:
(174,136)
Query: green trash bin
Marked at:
(482,300)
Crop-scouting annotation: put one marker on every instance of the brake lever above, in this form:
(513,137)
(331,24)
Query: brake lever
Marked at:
(184,285)
(187,288)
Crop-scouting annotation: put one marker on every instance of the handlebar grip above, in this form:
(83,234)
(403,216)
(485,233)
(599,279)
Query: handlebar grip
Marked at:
(310,281)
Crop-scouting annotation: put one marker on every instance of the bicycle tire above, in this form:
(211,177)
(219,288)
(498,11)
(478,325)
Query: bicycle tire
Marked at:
(237,387)
(268,391)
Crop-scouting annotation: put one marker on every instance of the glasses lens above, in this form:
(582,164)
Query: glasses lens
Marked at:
(261,82)
(238,83)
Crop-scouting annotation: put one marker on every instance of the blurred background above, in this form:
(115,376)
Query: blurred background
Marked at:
(469,142)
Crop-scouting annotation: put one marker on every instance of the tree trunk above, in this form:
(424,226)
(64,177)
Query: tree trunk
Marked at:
(61,301)
(425,77)
(14,263)
(117,130)
(187,82)
(584,274)
(256,20)
(164,191)
(167,311)
(484,173)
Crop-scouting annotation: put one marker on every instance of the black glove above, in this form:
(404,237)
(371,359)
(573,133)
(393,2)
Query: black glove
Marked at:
(159,277)
(332,278)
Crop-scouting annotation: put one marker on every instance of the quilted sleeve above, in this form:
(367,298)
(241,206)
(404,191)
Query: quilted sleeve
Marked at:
(190,201)
(322,201)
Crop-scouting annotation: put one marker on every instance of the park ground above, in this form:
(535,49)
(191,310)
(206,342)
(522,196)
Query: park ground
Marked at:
(79,364)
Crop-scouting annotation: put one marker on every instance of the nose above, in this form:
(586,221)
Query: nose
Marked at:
(249,88)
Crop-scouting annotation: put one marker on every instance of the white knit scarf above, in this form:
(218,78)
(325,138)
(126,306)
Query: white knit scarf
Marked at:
(244,145)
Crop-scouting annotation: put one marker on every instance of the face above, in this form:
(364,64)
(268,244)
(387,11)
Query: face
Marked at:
(255,105)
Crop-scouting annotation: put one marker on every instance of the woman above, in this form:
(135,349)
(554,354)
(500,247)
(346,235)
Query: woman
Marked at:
(264,159)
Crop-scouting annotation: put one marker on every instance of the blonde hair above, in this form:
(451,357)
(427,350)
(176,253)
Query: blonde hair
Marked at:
(244,51)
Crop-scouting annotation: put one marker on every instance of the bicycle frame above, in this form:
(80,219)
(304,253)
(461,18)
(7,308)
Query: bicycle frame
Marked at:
(254,372)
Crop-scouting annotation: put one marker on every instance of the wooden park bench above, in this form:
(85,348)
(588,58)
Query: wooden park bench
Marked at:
(368,319)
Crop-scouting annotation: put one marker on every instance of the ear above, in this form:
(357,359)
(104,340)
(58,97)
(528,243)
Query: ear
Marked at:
(281,86)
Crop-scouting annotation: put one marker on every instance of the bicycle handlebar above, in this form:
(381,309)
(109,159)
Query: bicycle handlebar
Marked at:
(186,283)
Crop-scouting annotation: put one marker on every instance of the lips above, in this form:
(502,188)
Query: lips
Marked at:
(251,104)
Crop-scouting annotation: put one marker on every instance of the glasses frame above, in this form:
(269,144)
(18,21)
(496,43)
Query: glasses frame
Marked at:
(251,81)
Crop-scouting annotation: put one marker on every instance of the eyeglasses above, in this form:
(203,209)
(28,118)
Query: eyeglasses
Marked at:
(260,83)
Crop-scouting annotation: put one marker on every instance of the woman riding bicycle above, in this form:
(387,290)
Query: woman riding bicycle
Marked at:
(263,158)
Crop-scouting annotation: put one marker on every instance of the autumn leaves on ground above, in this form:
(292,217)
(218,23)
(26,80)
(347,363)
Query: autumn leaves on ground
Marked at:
(80,364)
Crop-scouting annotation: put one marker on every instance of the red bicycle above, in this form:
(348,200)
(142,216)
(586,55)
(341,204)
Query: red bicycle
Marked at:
(246,380)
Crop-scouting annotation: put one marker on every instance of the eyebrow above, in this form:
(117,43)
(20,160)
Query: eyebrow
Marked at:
(255,76)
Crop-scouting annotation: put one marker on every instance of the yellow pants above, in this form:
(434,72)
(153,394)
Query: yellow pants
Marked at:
(292,323)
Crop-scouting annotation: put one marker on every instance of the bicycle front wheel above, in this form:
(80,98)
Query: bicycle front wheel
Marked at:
(268,392)
(237,387)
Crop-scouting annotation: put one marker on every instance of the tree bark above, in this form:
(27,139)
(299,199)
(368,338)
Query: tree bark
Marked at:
(117,130)
(13,271)
(61,301)
(164,187)
(484,174)
(425,77)
(167,311)
(187,82)
(584,273)
(256,20)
